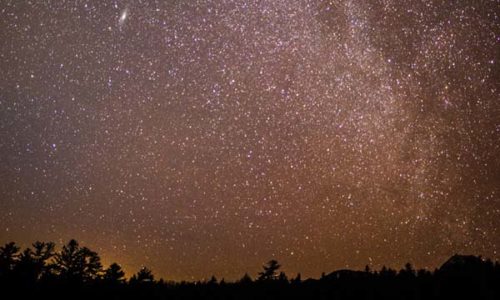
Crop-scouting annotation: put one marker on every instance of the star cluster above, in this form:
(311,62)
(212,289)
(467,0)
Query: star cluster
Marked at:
(207,137)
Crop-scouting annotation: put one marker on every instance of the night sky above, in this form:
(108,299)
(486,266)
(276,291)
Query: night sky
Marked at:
(208,137)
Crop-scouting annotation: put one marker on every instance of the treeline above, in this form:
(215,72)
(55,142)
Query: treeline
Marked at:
(76,272)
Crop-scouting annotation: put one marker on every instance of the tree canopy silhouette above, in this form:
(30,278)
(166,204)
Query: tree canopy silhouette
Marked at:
(270,271)
(77,263)
(144,275)
(114,274)
(35,263)
(75,272)
(8,256)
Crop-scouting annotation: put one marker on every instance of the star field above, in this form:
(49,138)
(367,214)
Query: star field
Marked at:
(207,137)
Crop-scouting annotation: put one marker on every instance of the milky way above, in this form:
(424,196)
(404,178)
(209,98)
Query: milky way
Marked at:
(207,137)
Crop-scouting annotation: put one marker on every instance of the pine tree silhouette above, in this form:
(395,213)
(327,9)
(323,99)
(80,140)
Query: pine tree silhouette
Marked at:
(297,279)
(246,279)
(78,264)
(76,273)
(8,258)
(144,275)
(114,274)
(270,271)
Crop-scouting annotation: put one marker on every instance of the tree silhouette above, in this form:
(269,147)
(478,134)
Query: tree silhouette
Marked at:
(282,277)
(246,279)
(33,264)
(41,254)
(92,264)
(144,275)
(77,263)
(213,280)
(297,280)
(8,258)
(75,273)
(270,271)
(387,272)
(408,271)
(114,274)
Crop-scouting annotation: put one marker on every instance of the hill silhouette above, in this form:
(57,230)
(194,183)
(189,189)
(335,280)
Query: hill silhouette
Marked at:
(76,272)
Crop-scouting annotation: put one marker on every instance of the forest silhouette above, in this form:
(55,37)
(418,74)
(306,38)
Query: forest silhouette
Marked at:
(76,272)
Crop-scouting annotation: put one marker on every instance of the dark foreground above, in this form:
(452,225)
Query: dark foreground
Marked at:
(76,273)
